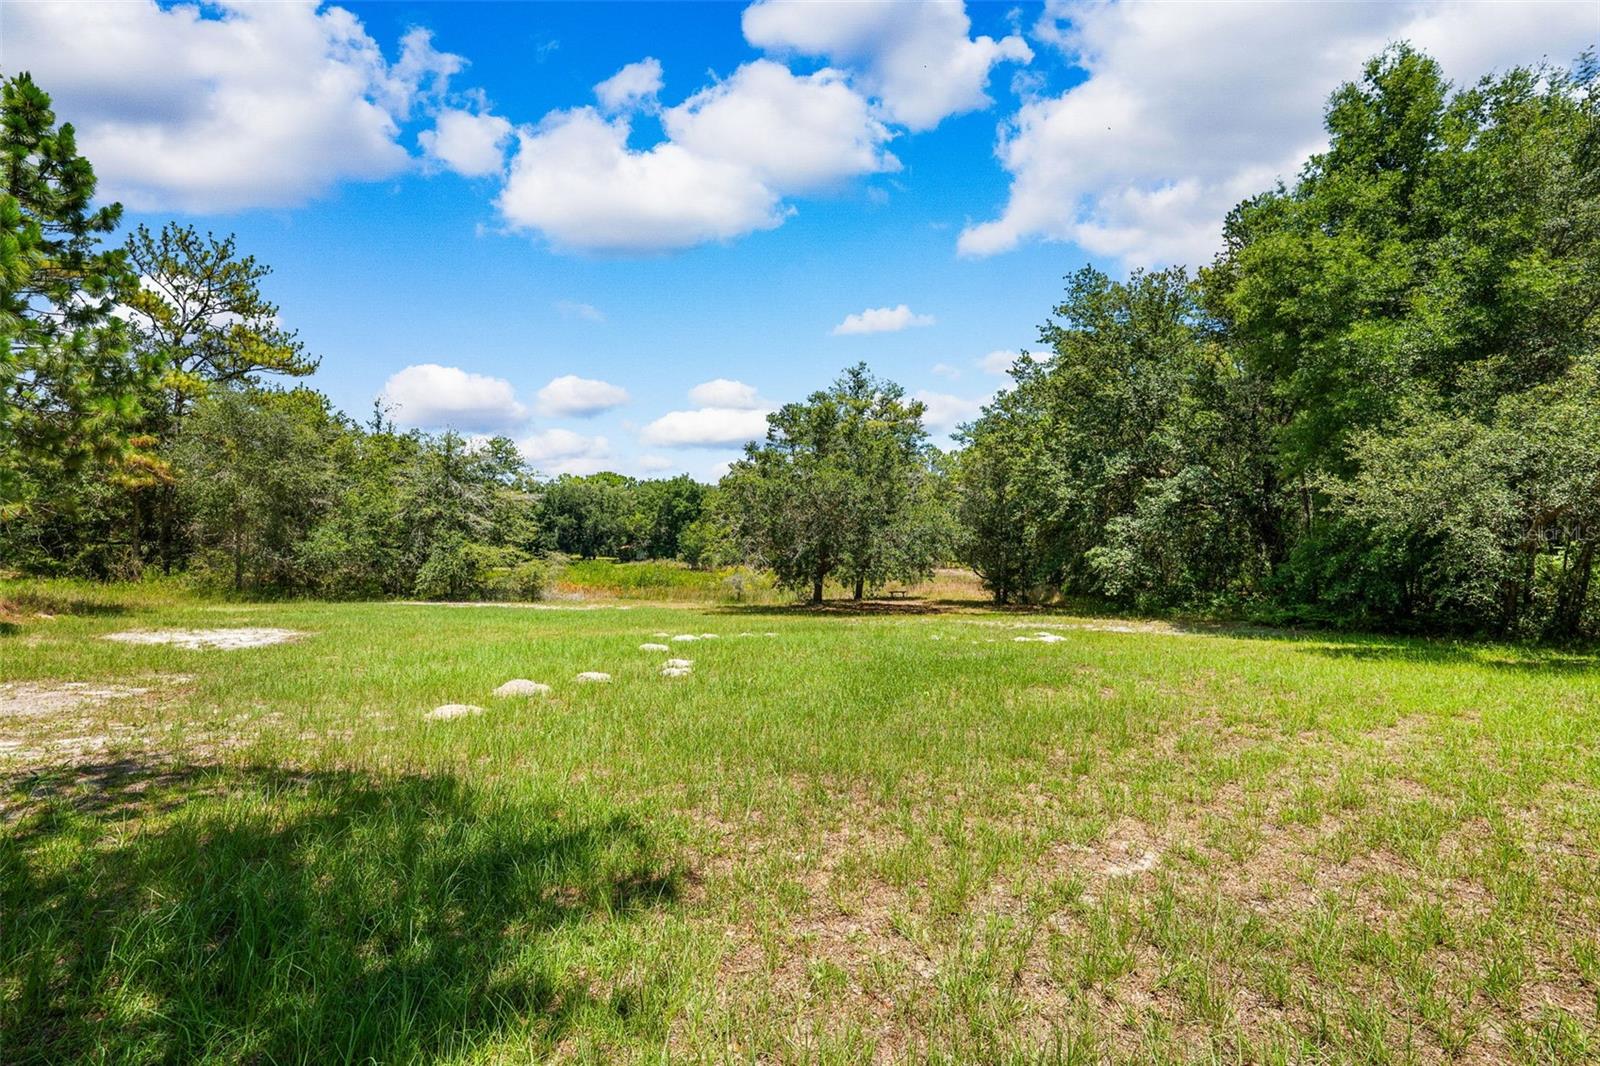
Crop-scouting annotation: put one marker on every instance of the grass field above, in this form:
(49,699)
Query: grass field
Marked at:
(843,837)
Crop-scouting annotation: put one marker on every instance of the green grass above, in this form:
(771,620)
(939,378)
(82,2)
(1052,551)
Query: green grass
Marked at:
(869,837)
(668,581)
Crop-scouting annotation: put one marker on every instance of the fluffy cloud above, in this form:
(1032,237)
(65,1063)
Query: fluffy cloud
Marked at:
(580,397)
(914,55)
(575,180)
(945,412)
(471,143)
(561,451)
(1142,159)
(1000,362)
(882,320)
(732,152)
(634,85)
(436,397)
(726,393)
(706,427)
(219,109)
(793,133)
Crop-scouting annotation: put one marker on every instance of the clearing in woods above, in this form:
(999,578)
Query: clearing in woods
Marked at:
(835,837)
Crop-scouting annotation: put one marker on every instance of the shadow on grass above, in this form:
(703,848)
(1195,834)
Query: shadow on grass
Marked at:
(208,914)
(842,608)
(1441,653)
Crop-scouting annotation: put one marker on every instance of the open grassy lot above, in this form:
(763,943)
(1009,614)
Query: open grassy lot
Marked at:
(842,837)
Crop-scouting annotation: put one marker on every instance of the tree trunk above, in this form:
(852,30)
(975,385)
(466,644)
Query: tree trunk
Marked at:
(861,583)
(164,511)
(816,588)
(238,562)
(138,535)
(1567,619)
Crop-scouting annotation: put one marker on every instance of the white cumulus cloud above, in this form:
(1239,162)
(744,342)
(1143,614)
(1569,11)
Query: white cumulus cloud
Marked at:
(882,320)
(431,396)
(471,143)
(793,133)
(706,427)
(634,85)
(580,397)
(224,107)
(914,55)
(946,411)
(725,392)
(1142,159)
(562,451)
(731,154)
(575,180)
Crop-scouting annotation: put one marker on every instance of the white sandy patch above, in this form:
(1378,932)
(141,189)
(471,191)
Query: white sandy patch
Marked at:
(1040,638)
(453,710)
(521,686)
(27,699)
(593,677)
(678,664)
(676,671)
(708,636)
(684,638)
(654,647)
(200,639)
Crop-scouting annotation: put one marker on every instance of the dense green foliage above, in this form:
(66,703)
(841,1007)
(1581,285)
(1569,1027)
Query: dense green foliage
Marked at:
(841,485)
(1377,404)
(608,514)
(68,383)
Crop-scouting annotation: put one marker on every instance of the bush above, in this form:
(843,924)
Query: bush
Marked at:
(524,581)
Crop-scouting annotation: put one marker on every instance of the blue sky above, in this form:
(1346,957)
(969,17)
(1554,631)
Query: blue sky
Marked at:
(628,277)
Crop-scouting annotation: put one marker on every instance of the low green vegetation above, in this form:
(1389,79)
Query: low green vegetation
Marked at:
(668,581)
(837,839)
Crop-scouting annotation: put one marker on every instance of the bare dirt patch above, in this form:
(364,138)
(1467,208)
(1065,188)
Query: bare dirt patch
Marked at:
(209,639)
(56,719)
(30,699)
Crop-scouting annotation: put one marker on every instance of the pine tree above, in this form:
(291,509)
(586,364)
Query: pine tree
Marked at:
(70,388)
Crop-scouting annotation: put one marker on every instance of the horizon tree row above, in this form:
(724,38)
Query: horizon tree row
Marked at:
(1378,405)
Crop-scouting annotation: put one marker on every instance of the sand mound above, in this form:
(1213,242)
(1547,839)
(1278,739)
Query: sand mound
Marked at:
(685,637)
(521,686)
(1040,638)
(676,671)
(593,677)
(653,647)
(679,663)
(200,639)
(453,710)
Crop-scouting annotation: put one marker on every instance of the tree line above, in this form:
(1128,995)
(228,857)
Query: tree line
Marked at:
(1379,405)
